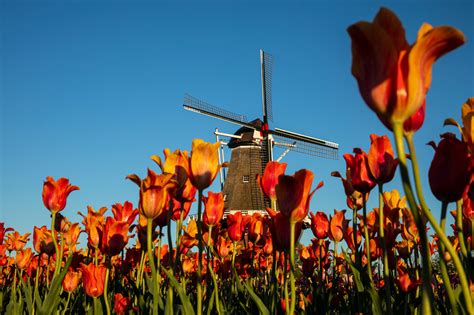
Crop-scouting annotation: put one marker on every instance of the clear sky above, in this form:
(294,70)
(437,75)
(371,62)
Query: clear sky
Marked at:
(90,90)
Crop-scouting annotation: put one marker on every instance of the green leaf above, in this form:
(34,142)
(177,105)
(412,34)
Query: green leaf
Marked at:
(210,305)
(450,122)
(261,306)
(52,299)
(188,307)
(27,291)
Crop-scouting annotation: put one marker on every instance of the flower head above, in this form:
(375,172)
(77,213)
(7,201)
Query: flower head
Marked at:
(55,193)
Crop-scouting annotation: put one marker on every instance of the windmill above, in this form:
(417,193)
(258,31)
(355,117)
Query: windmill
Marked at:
(252,146)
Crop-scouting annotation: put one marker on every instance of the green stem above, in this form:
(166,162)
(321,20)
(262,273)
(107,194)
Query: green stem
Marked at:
(462,243)
(285,277)
(354,235)
(366,236)
(442,236)
(106,284)
(292,268)
(199,275)
(55,242)
(154,281)
(442,263)
(96,302)
(427,293)
(386,275)
(67,303)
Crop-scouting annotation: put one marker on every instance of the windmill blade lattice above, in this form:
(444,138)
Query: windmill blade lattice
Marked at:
(268,66)
(310,146)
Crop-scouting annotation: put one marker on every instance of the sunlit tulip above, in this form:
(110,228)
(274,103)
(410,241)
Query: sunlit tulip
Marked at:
(71,280)
(449,171)
(114,236)
(71,236)
(269,180)
(93,279)
(256,227)
(294,194)
(204,163)
(381,159)
(3,230)
(394,77)
(154,194)
(189,238)
(358,169)
(122,304)
(125,212)
(405,282)
(43,240)
(349,238)
(23,258)
(468,123)
(213,208)
(55,193)
(223,247)
(319,224)
(15,241)
(337,225)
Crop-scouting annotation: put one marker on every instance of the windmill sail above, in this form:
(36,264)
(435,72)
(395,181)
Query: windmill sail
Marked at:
(305,144)
(196,105)
(267,73)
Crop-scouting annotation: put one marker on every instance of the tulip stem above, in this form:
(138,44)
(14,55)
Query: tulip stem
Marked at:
(154,281)
(386,275)
(442,263)
(55,242)
(366,236)
(199,275)
(292,268)
(427,293)
(67,303)
(459,228)
(442,236)
(106,284)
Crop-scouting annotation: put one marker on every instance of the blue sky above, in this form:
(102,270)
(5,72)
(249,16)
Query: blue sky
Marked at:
(90,90)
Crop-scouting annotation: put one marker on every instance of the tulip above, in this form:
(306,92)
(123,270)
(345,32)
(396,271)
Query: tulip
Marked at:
(213,208)
(223,247)
(414,123)
(320,224)
(468,124)
(121,304)
(358,169)
(71,236)
(15,241)
(93,278)
(269,180)
(294,194)
(43,240)
(405,283)
(71,281)
(280,230)
(381,161)
(337,226)
(449,173)
(256,227)
(23,258)
(125,212)
(394,77)
(154,194)
(114,236)
(180,209)
(204,163)
(235,226)
(55,193)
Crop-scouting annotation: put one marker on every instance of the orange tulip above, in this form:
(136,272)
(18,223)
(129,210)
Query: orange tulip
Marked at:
(71,236)
(214,208)
(256,227)
(394,77)
(294,194)
(468,123)
(71,281)
(93,278)
(381,160)
(15,241)
(405,283)
(180,209)
(125,212)
(55,193)
(23,258)
(121,304)
(223,247)
(43,241)
(189,238)
(154,194)
(204,163)
(114,236)
(269,180)
(337,226)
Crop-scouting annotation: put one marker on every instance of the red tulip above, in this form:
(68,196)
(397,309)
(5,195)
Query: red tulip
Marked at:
(43,241)
(394,77)
(449,173)
(358,169)
(320,225)
(236,225)
(269,180)
(121,304)
(414,123)
(55,193)
(93,278)
(125,212)
(71,281)
(114,236)
(381,161)
(213,208)
(280,228)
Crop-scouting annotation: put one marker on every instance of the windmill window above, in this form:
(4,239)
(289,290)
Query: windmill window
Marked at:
(245,179)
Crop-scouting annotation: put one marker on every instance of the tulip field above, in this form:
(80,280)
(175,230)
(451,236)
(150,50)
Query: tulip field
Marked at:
(397,258)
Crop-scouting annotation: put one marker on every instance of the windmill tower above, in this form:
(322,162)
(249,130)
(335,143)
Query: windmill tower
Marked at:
(252,146)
